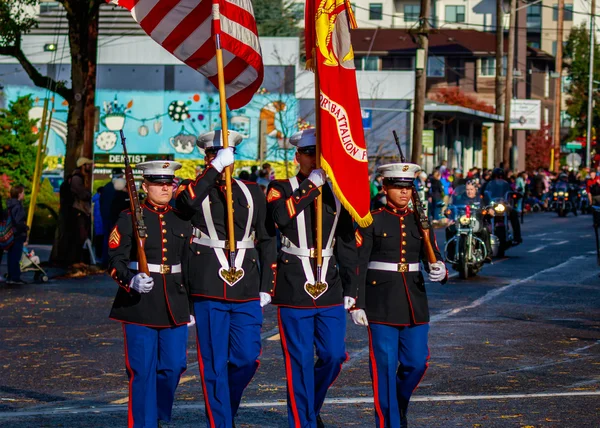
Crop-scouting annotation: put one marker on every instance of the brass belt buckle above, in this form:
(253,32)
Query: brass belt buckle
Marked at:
(402,267)
(165,269)
(312,253)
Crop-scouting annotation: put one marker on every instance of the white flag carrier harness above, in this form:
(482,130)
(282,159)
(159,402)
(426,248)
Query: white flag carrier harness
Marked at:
(219,245)
(303,252)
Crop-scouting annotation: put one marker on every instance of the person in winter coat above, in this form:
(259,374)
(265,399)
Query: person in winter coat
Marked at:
(14,207)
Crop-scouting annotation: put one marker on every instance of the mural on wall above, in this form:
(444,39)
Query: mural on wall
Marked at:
(158,122)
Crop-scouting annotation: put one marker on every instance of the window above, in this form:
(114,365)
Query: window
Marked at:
(411,12)
(49,6)
(436,66)
(534,16)
(376,11)
(455,14)
(568,12)
(396,63)
(534,44)
(370,63)
(487,66)
(297,10)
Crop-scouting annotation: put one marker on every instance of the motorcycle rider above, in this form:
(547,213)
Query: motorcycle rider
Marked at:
(499,186)
(593,188)
(471,198)
(562,184)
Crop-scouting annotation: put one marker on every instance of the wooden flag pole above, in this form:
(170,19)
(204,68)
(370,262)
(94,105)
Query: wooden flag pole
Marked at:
(228,190)
(38,166)
(319,206)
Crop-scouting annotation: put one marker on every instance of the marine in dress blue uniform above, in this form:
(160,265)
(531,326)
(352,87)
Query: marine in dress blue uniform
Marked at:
(311,317)
(154,310)
(392,299)
(228,313)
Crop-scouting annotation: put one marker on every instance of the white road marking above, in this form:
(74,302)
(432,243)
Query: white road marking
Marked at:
(496,292)
(535,250)
(282,402)
(589,235)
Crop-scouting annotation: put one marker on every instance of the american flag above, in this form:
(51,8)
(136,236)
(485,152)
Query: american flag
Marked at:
(186,28)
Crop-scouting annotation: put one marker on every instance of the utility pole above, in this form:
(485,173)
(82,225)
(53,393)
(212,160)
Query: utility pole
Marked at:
(590,112)
(498,152)
(508,87)
(555,152)
(420,83)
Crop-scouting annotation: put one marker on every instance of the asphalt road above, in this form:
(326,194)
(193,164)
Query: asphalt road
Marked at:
(516,346)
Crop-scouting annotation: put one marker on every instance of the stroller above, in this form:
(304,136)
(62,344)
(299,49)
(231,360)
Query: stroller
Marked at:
(31,263)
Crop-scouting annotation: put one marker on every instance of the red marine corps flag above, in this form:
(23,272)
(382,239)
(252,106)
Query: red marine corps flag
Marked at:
(186,28)
(343,150)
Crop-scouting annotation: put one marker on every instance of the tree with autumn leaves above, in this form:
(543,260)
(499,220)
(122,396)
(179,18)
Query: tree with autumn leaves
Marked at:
(537,148)
(455,97)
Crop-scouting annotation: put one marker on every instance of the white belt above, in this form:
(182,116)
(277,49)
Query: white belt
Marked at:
(307,252)
(395,267)
(203,239)
(287,246)
(217,243)
(162,269)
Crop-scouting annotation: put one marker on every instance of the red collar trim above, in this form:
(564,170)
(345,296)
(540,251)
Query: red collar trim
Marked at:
(157,208)
(397,211)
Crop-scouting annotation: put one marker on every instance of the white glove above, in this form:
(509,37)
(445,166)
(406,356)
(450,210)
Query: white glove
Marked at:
(437,271)
(349,302)
(359,317)
(265,299)
(142,283)
(192,321)
(224,158)
(318,177)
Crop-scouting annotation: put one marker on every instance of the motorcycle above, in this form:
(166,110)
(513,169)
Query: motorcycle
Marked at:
(465,251)
(502,234)
(560,200)
(584,202)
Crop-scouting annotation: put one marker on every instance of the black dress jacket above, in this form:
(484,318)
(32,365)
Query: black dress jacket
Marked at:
(395,298)
(167,304)
(284,205)
(203,265)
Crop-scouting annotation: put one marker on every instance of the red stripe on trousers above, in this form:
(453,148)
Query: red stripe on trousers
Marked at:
(130,422)
(201,368)
(375,381)
(288,370)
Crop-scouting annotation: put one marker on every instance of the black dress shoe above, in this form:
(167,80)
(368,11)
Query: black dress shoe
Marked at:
(320,423)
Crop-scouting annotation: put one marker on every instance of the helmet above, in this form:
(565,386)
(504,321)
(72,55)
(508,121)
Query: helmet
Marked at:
(563,176)
(497,173)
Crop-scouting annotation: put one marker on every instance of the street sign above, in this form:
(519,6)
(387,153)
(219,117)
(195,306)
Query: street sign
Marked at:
(526,114)
(367,118)
(573,145)
(428,140)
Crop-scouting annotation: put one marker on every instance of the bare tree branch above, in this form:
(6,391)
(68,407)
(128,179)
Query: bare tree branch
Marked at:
(36,77)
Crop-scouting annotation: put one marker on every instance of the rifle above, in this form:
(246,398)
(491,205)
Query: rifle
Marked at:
(419,211)
(139,228)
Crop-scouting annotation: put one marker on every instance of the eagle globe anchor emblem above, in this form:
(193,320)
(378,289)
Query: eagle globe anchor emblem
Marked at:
(333,33)
(317,289)
(232,275)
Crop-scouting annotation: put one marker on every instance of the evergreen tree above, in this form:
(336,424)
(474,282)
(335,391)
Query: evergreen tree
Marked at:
(577,58)
(18,140)
(278,18)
